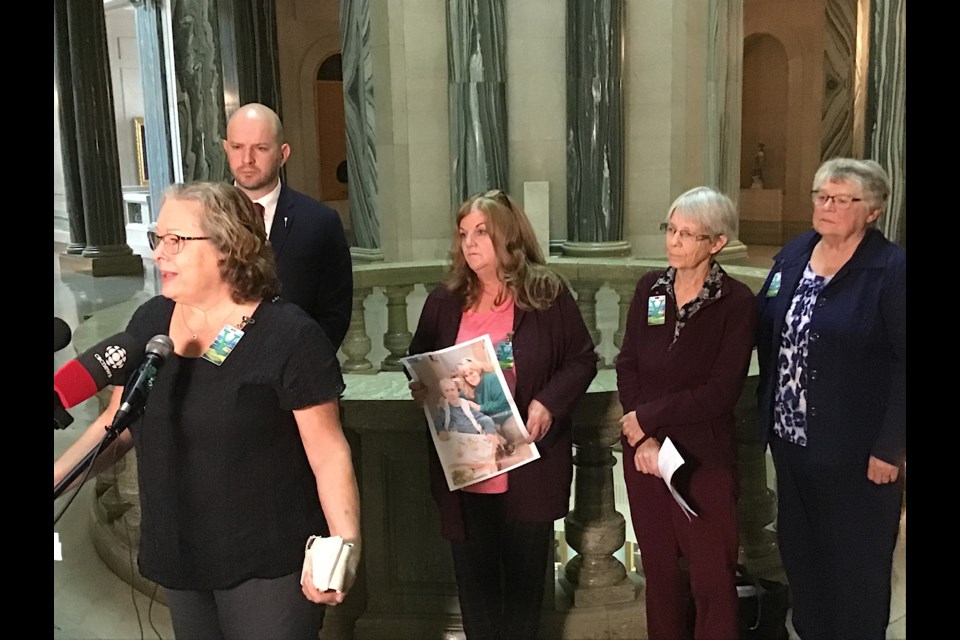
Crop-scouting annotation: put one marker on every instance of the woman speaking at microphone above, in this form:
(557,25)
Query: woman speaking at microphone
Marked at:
(241,455)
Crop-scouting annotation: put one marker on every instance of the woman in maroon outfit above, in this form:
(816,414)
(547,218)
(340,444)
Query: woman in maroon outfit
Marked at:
(685,353)
(502,535)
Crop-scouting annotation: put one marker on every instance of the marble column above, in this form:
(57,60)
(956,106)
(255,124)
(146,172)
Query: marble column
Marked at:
(360,117)
(200,104)
(158,155)
(476,61)
(724,105)
(595,129)
(63,75)
(248,50)
(105,251)
(839,111)
(886,109)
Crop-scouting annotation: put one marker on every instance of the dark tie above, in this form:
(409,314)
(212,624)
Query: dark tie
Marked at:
(259,208)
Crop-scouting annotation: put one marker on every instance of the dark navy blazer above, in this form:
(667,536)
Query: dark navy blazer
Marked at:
(313,261)
(856,361)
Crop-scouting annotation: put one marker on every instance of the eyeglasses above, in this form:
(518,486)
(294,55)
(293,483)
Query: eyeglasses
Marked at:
(172,243)
(841,202)
(685,236)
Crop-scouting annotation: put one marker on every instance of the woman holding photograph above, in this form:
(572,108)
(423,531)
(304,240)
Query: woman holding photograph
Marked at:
(501,529)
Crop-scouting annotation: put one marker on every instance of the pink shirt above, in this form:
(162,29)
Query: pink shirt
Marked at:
(497,324)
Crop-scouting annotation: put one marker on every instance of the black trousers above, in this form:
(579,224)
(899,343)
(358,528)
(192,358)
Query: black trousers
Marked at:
(837,532)
(257,609)
(501,569)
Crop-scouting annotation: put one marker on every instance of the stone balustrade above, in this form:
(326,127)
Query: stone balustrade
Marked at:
(603,287)
(406,587)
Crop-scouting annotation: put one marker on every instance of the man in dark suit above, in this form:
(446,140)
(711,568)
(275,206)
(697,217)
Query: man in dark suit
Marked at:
(313,258)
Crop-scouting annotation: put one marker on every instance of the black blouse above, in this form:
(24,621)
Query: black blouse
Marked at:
(226,490)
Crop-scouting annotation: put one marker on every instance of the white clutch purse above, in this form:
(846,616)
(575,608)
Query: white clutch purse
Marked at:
(329,558)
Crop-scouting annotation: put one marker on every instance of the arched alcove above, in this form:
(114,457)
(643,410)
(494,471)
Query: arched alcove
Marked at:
(765,122)
(764,109)
(331,129)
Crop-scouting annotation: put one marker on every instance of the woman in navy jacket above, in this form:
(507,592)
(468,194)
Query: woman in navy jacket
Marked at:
(832,403)
(502,536)
(685,353)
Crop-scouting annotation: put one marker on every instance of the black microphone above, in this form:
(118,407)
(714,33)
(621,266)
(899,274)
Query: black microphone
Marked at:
(135,392)
(61,334)
(109,362)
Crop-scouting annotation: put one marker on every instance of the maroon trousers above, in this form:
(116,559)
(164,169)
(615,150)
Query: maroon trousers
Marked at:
(708,543)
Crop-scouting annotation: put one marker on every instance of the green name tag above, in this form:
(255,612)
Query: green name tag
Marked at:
(656,309)
(224,343)
(774,287)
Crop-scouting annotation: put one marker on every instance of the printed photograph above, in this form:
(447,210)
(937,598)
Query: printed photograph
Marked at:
(470,412)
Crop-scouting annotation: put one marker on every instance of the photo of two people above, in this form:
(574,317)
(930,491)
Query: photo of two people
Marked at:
(470,412)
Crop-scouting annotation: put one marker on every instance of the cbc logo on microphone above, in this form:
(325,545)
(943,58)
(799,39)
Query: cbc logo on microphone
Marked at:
(115,357)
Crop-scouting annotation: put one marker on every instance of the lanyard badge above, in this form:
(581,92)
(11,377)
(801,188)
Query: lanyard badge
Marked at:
(774,287)
(223,344)
(656,309)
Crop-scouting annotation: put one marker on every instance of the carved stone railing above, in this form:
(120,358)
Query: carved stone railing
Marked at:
(406,588)
(604,288)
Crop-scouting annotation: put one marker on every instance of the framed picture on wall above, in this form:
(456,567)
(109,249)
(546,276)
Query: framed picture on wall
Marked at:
(139,136)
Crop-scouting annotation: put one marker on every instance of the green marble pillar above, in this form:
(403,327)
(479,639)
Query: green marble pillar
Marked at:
(94,127)
(887,108)
(476,66)
(360,118)
(595,129)
(201,112)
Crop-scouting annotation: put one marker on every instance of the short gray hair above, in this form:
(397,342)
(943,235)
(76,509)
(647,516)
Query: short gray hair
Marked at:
(708,207)
(867,173)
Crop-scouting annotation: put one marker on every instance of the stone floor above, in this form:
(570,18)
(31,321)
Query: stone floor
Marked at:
(90,602)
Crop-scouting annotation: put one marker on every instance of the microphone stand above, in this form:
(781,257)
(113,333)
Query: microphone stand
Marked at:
(113,432)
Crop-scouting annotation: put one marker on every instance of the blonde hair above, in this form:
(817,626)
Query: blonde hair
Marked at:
(520,263)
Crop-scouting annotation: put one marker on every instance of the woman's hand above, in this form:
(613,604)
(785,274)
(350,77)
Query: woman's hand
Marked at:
(330,597)
(630,427)
(539,421)
(419,392)
(881,472)
(645,458)
(474,405)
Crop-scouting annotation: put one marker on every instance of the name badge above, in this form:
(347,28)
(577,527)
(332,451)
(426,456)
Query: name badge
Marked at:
(774,287)
(656,309)
(504,351)
(223,344)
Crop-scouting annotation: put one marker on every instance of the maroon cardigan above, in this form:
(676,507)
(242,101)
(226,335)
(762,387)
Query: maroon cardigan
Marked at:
(688,391)
(555,361)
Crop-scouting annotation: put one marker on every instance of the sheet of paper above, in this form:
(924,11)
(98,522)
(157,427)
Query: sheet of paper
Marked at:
(329,558)
(668,461)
